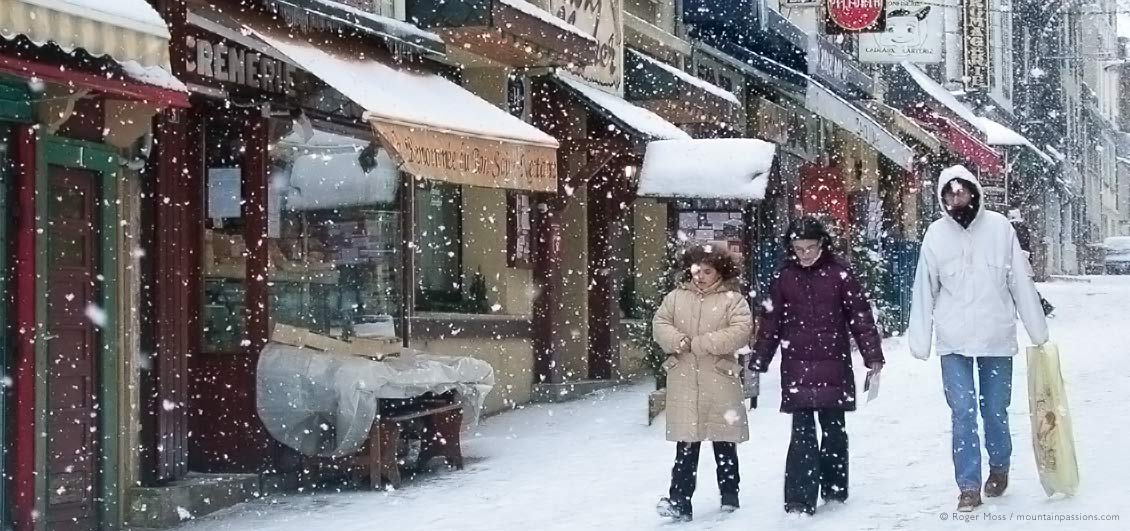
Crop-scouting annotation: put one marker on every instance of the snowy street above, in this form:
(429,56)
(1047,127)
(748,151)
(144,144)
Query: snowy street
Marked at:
(595,464)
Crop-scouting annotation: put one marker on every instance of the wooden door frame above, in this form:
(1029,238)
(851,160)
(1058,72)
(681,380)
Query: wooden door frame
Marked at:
(102,160)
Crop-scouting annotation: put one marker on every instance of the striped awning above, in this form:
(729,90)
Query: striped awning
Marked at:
(125,30)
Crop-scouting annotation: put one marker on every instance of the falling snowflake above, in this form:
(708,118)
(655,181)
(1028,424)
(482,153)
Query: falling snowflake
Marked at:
(96,315)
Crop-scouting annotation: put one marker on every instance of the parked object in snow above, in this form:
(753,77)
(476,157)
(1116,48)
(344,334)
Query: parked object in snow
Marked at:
(1116,255)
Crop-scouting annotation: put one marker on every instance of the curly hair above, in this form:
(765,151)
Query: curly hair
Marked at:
(722,260)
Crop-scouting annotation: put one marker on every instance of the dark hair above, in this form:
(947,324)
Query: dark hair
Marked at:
(806,228)
(722,260)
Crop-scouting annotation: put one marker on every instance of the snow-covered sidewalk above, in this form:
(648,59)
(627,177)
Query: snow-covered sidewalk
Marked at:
(595,464)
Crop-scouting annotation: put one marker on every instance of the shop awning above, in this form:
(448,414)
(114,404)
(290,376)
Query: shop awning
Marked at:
(713,168)
(898,121)
(337,16)
(126,30)
(433,127)
(637,121)
(1000,135)
(675,94)
(852,119)
(939,93)
(960,141)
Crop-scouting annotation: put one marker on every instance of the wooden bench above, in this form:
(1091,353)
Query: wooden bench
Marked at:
(442,421)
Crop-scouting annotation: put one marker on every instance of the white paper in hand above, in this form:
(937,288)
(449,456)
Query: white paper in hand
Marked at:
(871,385)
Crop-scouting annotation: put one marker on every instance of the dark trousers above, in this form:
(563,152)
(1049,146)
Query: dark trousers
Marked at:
(817,467)
(685,473)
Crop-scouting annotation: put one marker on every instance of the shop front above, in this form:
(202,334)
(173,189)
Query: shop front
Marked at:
(78,86)
(312,175)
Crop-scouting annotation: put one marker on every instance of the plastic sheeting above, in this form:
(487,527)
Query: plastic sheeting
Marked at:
(323,404)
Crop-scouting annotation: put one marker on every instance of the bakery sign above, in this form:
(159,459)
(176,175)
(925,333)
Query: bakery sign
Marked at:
(855,16)
(976,41)
(211,59)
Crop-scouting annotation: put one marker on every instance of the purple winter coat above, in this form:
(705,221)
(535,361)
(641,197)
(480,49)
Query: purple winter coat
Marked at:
(810,313)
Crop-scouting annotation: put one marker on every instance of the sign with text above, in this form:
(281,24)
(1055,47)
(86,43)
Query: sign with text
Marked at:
(462,159)
(854,16)
(915,32)
(976,42)
(828,63)
(214,60)
(604,20)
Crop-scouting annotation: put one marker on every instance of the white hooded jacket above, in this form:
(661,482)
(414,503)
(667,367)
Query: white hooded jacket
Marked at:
(970,284)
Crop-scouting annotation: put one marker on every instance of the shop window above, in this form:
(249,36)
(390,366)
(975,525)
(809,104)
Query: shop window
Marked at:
(519,231)
(225,251)
(439,258)
(333,232)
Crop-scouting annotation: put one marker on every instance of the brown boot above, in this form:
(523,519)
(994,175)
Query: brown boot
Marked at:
(969,500)
(997,482)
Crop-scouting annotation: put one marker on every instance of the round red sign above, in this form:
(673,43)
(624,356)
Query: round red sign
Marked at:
(855,15)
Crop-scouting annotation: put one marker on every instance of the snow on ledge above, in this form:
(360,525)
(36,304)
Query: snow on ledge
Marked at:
(692,80)
(545,16)
(713,168)
(1000,135)
(152,75)
(639,119)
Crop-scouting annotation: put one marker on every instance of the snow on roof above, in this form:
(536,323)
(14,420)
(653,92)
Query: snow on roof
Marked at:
(637,118)
(545,16)
(702,84)
(714,168)
(1123,160)
(136,15)
(997,134)
(938,92)
(1055,153)
(393,93)
(152,75)
(400,25)
(1117,243)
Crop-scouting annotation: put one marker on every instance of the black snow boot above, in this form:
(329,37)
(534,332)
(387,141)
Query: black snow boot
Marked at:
(670,510)
(730,503)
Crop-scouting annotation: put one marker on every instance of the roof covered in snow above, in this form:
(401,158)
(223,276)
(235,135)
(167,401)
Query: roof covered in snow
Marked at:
(715,168)
(545,16)
(687,78)
(397,94)
(636,118)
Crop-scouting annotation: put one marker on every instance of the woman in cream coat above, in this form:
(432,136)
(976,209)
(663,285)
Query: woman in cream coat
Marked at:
(701,325)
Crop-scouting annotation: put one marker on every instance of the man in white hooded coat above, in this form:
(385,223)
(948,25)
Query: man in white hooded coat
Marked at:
(971,282)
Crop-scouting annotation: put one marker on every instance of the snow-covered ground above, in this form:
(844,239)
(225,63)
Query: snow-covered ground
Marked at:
(596,464)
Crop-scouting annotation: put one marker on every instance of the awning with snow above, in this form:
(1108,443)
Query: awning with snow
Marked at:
(400,36)
(852,119)
(129,32)
(433,127)
(676,95)
(634,120)
(960,141)
(713,168)
(513,32)
(897,120)
(997,134)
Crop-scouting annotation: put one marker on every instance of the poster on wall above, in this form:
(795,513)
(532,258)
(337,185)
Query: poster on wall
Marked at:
(604,20)
(915,32)
(855,16)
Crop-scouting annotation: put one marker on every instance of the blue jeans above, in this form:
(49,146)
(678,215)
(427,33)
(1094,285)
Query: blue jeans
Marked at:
(994,375)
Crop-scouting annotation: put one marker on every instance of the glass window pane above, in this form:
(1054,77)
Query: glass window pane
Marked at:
(334,230)
(225,252)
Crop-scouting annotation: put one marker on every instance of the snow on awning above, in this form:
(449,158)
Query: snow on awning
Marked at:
(125,30)
(997,134)
(822,101)
(703,85)
(713,168)
(332,15)
(939,93)
(435,128)
(634,119)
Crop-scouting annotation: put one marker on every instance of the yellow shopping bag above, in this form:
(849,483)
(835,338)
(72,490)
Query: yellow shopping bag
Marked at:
(1052,437)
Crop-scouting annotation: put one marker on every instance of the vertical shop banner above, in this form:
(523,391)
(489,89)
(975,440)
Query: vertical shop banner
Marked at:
(976,41)
(915,32)
(855,16)
(604,20)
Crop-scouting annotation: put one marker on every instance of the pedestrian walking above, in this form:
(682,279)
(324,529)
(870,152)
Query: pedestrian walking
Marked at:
(1024,236)
(971,281)
(815,306)
(701,324)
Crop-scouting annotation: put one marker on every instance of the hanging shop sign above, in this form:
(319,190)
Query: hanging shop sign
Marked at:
(604,20)
(976,41)
(915,32)
(829,64)
(855,16)
(213,60)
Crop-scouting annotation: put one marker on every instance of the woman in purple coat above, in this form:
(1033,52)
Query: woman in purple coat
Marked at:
(815,305)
